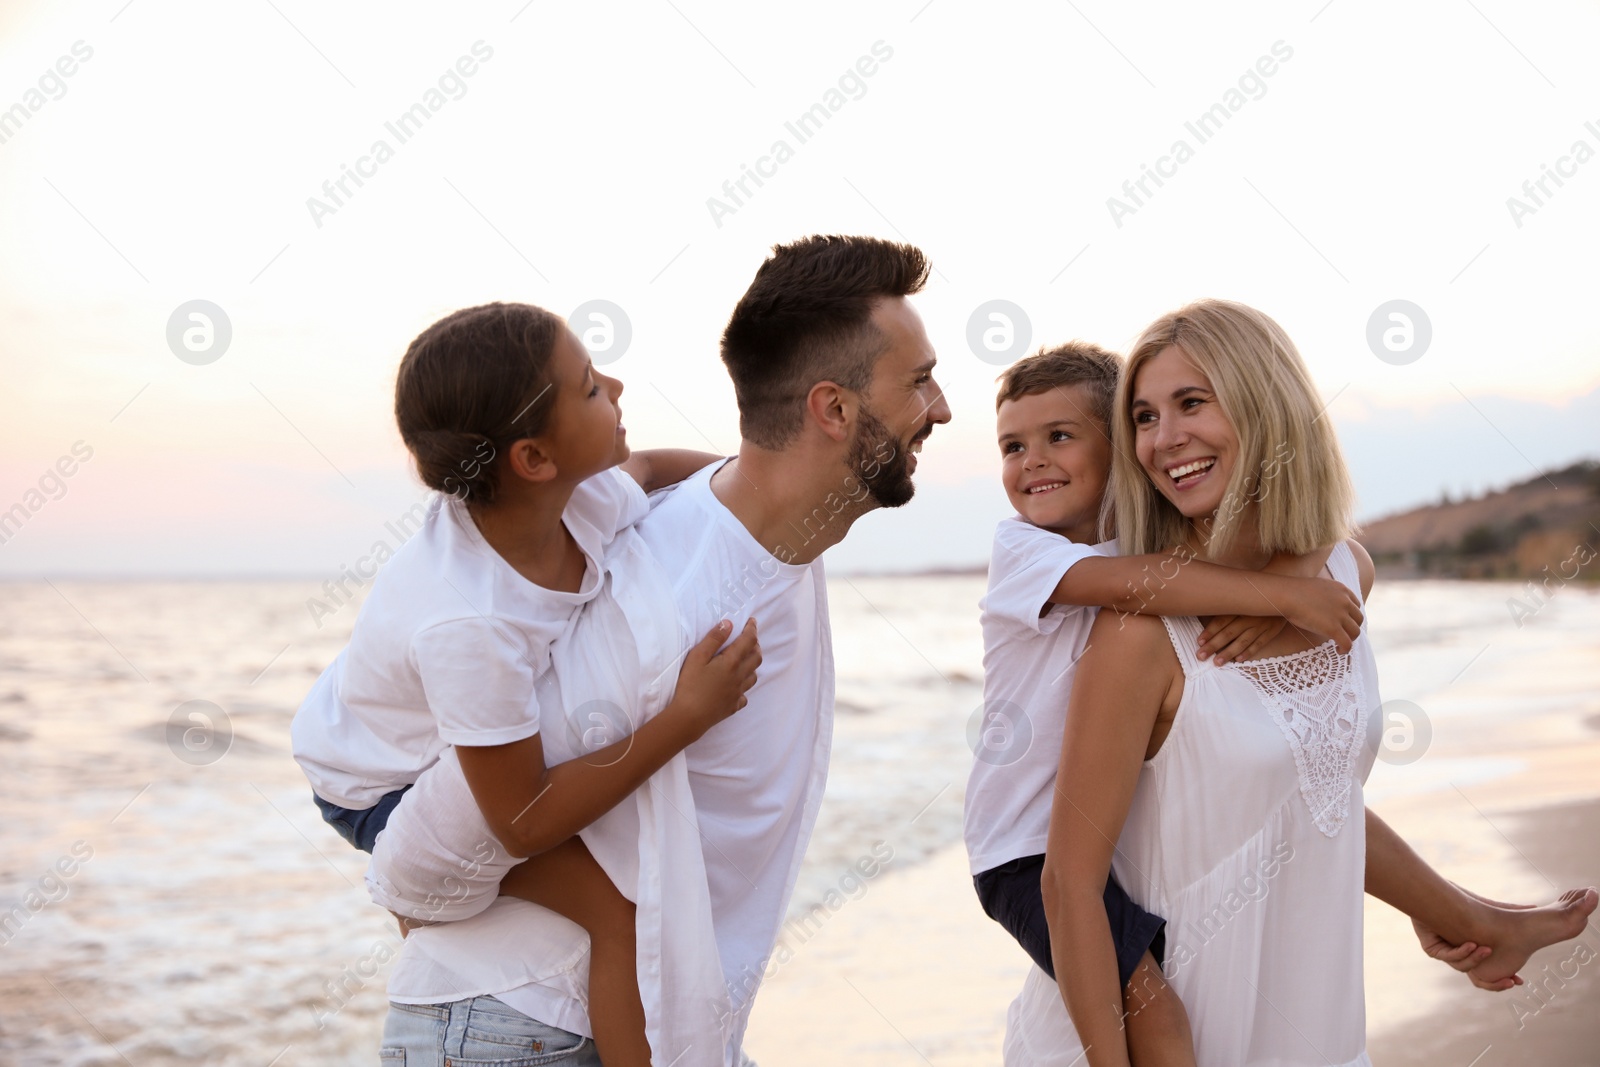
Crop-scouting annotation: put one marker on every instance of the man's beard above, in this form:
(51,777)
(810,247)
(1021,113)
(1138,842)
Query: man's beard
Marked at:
(877,458)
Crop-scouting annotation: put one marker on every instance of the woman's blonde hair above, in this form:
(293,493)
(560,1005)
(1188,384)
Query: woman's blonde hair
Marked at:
(1289,464)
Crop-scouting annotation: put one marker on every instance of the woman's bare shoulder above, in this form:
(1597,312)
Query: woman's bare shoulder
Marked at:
(1364,567)
(1130,676)
(1137,641)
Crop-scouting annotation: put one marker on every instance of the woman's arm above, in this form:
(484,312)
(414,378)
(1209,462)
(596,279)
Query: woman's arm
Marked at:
(1125,680)
(657,468)
(1396,875)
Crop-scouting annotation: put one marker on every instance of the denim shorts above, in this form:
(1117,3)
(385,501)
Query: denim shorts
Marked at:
(479,1032)
(360,826)
(1011,896)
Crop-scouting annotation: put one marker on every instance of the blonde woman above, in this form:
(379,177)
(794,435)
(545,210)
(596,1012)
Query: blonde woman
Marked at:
(1228,799)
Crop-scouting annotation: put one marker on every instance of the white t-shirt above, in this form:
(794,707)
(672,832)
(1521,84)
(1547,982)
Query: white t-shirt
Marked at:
(446,650)
(614,668)
(757,781)
(1029,662)
(758,776)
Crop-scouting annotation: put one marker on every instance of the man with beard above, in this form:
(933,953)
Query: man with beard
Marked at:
(833,372)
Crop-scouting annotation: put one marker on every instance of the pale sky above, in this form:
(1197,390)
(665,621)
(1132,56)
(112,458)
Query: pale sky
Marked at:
(1374,163)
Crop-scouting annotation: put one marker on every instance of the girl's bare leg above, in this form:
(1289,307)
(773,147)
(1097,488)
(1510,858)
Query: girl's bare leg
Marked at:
(569,882)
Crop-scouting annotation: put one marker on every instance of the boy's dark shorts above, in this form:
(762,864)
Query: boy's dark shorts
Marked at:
(1011,896)
(361,826)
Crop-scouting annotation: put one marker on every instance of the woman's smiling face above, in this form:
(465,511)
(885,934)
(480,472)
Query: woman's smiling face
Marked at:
(1185,442)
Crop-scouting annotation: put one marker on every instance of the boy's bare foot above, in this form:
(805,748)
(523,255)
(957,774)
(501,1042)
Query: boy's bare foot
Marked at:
(1511,933)
(1518,932)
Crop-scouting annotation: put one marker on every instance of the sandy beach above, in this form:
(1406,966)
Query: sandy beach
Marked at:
(915,973)
(1554,1019)
(210,917)
(1506,801)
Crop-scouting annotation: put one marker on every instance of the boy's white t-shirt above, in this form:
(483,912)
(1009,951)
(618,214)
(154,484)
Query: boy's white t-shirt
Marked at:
(1029,660)
(447,649)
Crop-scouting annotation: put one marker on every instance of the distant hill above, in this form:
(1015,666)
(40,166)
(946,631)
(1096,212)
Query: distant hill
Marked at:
(1550,521)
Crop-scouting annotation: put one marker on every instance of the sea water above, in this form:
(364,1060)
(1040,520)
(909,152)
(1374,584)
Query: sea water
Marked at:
(169,895)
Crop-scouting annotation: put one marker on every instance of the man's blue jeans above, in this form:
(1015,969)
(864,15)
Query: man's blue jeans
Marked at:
(477,1033)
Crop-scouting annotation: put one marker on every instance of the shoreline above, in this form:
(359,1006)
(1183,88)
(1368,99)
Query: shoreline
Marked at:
(1384,572)
(911,973)
(915,973)
(1550,1020)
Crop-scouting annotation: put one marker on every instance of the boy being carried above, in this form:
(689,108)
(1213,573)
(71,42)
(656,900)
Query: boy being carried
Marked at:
(1049,571)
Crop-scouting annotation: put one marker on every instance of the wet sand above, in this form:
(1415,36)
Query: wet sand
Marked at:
(220,922)
(1554,1019)
(914,973)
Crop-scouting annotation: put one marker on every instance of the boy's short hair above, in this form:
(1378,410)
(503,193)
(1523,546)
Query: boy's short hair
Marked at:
(1074,363)
(806,318)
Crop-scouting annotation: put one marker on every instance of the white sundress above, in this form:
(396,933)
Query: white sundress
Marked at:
(1247,833)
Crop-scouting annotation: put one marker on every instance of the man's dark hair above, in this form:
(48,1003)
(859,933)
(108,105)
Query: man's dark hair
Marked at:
(807,318)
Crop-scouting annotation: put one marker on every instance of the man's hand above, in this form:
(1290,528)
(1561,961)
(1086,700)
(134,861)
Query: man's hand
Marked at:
(1463,957)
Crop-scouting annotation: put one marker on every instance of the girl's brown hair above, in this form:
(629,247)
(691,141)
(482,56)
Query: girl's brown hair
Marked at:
(469,385)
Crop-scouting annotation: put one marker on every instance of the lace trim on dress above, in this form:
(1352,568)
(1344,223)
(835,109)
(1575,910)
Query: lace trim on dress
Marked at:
(1312,695)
